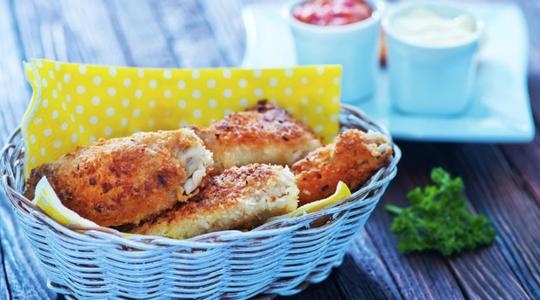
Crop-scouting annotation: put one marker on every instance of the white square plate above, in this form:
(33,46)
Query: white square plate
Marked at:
(500,111)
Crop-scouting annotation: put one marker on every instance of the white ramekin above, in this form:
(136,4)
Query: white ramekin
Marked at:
(354,46)
(430,79)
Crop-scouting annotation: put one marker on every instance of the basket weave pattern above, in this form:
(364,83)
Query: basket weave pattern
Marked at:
(278,258)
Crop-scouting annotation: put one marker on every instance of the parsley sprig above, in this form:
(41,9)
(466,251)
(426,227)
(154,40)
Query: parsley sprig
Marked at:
(438,219)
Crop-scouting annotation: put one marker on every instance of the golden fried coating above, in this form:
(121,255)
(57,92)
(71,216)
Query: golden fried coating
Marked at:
(353,158)
(238,198)
(263,134)
(125,180)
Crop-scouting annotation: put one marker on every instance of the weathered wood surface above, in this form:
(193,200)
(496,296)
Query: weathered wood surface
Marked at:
(503,181)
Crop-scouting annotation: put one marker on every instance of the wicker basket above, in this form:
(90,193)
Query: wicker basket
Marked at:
(278,258)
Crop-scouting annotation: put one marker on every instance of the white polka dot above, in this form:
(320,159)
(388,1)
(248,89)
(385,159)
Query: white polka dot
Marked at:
(195,74)
(196,94)
(197,113)
(288,91)
(151,123)
(273,82)
(167,74)
(182,103)
(273,101)
(45,103)
(43,151)
(140,73)
(304,100)
(38,121)
(243,102)
(227,93)
(93,120)
(51,74)
(127,82)
(79,109)
(125,102)
(64,126)
(257,73)
(181,84)
(72,117)
(108,131)
(335,99)
(320,70)
(97,80)
(211,83)
(81,128)
(136,112)
(47,132)
(167,93)
(319,109)
(288,72)
(337,81)
(54,114)
(33,139)
(290,110)
(305,119)
(212,103)
(152,84)
(227,73)
(63,105)
(124,122)
(111,91)
(227,112)
(57,66)
(39,63)
(74,137)
(44,82)
(318,128)
(95,100)
(334,118)
(182,123)
(258,92)
(242,83)
(112,71)
(67,78)
(92,139)
(321,91)
(82,69)
(68,98)
(33,160)
(80,89)
(304,80)
(55,94)
(110,111)
(57,144)
(59,86)
(138,94)
(152,104)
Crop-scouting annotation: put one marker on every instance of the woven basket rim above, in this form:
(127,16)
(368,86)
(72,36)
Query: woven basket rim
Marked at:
(208,240)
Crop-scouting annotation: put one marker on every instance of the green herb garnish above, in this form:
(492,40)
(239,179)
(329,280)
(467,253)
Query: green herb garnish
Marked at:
(438,219)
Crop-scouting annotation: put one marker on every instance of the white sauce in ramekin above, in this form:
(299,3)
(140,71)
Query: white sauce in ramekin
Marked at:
(423,26)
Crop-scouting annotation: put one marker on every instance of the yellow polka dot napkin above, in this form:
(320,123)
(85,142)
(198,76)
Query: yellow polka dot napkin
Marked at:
(75,104)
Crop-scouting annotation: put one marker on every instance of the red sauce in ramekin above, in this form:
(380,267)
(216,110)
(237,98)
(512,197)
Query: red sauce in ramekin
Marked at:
(331,12)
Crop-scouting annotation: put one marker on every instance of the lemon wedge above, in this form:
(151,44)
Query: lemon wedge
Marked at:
(342,192)
(46,199)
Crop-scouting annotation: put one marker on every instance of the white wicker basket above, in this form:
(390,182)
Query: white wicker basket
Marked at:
(278,258)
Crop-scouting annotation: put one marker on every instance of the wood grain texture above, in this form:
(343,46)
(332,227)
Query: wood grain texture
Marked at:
(502,180)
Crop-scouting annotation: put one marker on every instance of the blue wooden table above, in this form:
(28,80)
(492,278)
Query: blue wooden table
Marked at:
(503,181)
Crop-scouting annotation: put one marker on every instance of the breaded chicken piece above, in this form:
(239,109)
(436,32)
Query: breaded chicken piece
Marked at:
(125,180)
(263,134)
(353,158)
(238,198)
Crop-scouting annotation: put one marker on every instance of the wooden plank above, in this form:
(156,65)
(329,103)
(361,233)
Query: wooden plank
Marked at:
(475,270)
(138,28)
(418,276)
(188,33)
(361,276)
